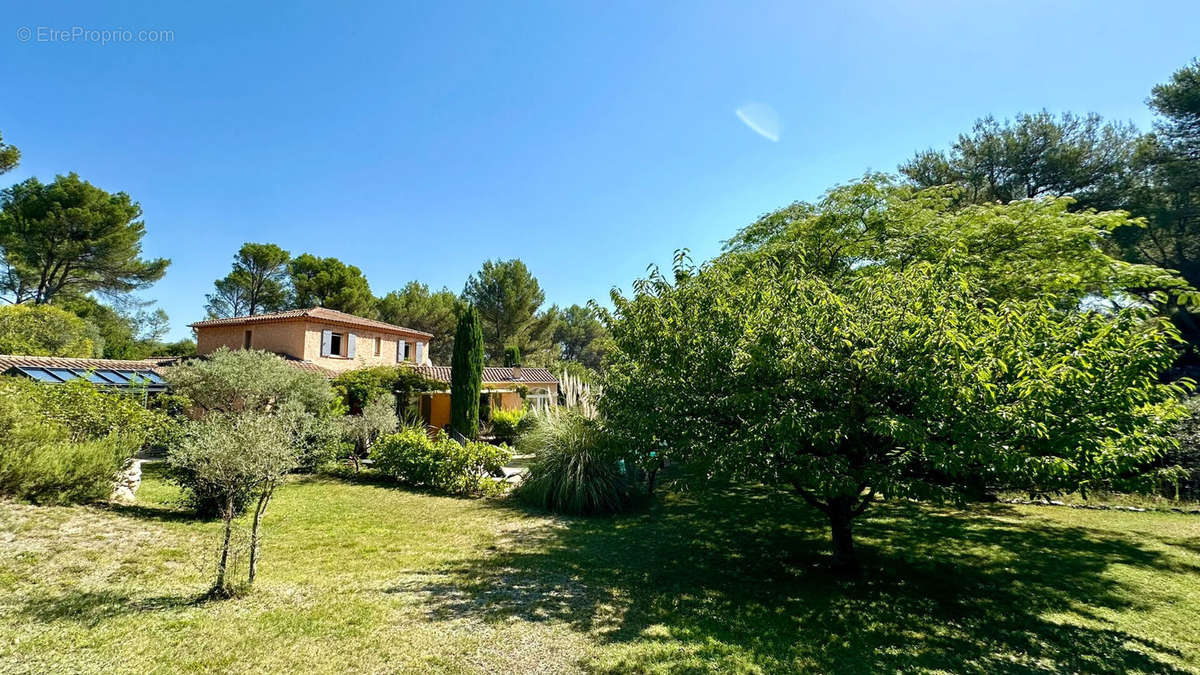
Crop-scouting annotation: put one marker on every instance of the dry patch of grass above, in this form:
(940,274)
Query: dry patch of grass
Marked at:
(364,577)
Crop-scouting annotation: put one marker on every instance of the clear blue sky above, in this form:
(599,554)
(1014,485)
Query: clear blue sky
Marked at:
(416,140)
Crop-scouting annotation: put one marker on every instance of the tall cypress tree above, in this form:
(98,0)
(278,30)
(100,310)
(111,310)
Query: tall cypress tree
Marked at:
(466,377)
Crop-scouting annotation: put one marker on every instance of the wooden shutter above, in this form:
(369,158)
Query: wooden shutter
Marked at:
(326,342)
(350,346)
(399,351)
(421,352)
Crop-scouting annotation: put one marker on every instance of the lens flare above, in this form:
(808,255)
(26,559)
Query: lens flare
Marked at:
(762,120)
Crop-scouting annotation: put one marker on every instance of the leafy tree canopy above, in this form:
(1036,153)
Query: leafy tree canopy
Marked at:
(414,306)
(331,283)
(898,381)
(1035,155)
(10,156)
(258,283)
(1021,250)
(582,337)
(70,236)
(507,297)
(43,330)
(245,380)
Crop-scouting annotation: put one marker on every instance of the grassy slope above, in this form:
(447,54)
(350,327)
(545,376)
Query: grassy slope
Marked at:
(371,578)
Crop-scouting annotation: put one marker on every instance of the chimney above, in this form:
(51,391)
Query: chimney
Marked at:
(516,372)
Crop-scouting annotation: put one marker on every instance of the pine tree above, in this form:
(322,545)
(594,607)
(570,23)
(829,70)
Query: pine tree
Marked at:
(466,378)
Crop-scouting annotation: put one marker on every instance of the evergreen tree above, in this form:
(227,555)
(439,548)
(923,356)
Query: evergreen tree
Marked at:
(466,377)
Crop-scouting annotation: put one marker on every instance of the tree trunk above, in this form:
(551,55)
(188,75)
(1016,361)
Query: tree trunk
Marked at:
(841,514)
(223,564)
(259,510)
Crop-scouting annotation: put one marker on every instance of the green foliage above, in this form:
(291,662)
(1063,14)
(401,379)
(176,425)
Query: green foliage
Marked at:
(126,330)
(575,468)
(583,338)
(415,306)
(66,443)
(1186,456)
(512,356)
(466,375)
(40,464)
(359,386)
(378,418)
(229,381)
(1023,250)
(258,283)
(1034,156)
(71,237)
(10,156)
(440,463)
(331,283)
(901,382)
(507,298)
(42,330)
(227,460)
(507,425)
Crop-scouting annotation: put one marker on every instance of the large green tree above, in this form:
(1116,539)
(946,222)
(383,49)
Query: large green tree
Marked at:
(582,337)
(10,156)
(1035,155)
(1026,249)
(1167,191)
(331,283)
(508,297)
(71,237)
(466,374)
(257,283)
(894,383)
(415,306)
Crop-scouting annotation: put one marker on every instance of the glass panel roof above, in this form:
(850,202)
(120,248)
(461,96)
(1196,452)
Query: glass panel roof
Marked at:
(120,378)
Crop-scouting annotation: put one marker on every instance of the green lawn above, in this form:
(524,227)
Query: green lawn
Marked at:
(371,578)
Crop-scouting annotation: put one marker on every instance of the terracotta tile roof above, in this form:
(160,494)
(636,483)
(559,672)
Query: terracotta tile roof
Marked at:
(155,363)
(492,375)
(314,313)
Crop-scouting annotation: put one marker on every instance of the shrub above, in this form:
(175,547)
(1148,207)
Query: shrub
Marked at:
(230,381)
(39,463)
(575,470)
(508,424)
(360,386)
(67,443)
(1186,456)
(45,330)
(412,457)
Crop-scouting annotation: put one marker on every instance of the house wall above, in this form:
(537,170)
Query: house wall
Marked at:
(364,350)
(285,336)
(509,400)
(302,339)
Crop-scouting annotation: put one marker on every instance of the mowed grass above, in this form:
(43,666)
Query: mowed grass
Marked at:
(365,577)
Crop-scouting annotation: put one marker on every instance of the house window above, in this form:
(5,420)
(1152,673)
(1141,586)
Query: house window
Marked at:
(378,346)
(246,340)
(335,344)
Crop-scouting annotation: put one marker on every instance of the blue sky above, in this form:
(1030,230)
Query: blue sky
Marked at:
(416,140)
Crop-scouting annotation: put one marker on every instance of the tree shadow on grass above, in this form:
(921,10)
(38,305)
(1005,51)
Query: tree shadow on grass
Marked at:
(92,607)
(739,580)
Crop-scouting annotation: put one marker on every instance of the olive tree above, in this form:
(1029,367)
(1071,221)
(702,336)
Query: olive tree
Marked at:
(892,382)
(236,457)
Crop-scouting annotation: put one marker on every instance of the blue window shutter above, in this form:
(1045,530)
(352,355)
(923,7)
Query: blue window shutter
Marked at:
(326,342)
(399,351)
(350,346)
